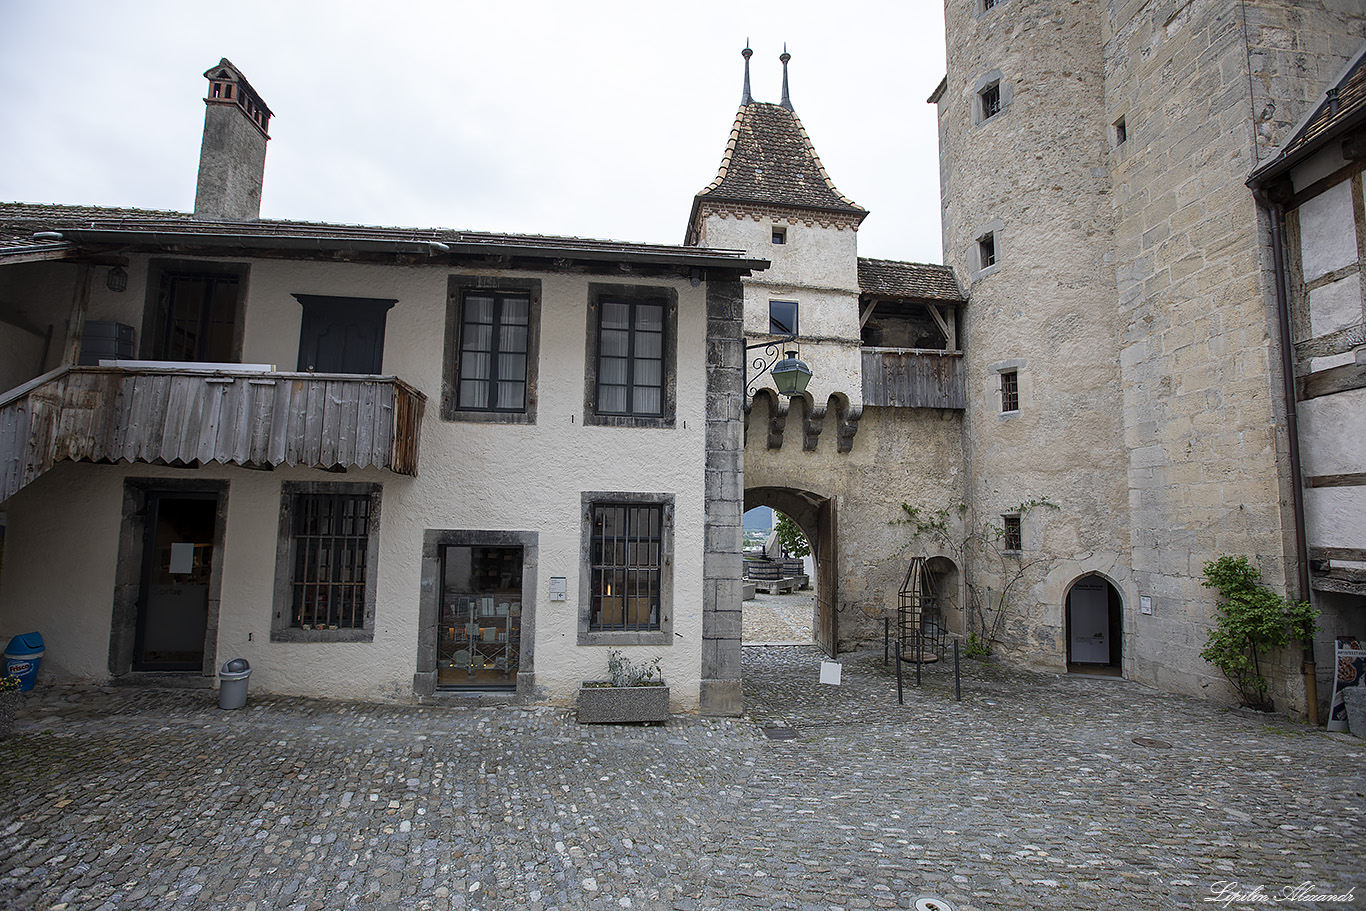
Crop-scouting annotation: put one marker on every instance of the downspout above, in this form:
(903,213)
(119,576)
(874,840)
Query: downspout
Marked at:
(1277,212)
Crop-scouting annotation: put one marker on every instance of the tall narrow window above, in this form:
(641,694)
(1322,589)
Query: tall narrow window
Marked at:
(494,332)
(1010,390)
(1012,537)
(991,100)
(631,358)
(986,250)
(782,317)
(331,543)
(625,563)
(1121,132)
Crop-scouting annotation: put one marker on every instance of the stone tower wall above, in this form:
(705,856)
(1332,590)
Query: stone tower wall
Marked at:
(1035,176)
(1207,89)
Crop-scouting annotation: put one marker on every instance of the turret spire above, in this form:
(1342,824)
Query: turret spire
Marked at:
(746,97)
(784,57)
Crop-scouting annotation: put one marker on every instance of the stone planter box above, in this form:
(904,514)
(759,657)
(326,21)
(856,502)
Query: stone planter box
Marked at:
(623,704)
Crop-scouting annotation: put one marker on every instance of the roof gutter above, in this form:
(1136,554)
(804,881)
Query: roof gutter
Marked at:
(321,244)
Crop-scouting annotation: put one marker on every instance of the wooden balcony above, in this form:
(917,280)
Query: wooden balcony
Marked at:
(183,415)
(913,378)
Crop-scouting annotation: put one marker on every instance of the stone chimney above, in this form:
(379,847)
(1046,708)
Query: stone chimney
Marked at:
(232,157)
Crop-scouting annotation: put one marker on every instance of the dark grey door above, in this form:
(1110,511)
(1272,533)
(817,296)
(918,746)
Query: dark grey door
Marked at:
(342,334)
(173,599)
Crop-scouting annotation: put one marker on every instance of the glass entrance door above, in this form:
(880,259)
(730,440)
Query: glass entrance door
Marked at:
(479,629)
(173,600)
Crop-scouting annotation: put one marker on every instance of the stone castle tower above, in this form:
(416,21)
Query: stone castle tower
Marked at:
(1095,159)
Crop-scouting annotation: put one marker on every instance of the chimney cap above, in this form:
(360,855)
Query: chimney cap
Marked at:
(227,85)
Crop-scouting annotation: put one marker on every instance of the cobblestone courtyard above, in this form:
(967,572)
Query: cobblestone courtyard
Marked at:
(1034,792)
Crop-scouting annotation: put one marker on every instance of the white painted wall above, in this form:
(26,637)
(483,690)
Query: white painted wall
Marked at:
(62,534)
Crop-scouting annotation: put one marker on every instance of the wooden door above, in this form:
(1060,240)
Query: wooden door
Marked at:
(173,599)
(342,335)
(827,603)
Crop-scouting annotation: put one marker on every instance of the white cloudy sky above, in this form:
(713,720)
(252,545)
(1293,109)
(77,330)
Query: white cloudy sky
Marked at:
(596,119)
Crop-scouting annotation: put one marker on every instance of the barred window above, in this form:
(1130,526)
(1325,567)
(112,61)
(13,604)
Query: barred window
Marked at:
(1012,537)
(331,545)
(1010,390)
(991,100)
(625,564)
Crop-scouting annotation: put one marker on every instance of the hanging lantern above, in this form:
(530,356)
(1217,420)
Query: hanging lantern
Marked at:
(790,375)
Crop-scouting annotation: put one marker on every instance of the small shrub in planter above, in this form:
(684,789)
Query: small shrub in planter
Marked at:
(633,693)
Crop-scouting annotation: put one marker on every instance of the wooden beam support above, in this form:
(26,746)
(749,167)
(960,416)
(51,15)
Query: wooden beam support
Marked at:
(867,312)
(75,324)
(1334,379)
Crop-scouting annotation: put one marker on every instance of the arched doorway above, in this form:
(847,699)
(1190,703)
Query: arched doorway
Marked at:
(1093,618)
(815,516)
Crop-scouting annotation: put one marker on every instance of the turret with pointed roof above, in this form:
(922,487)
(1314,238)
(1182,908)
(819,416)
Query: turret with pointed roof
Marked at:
(770,163)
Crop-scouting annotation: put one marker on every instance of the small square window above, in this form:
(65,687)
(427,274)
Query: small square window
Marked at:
(1010,391)
(1012,537)
(1121,132)
(986,250)
(779,235)
(991,100)
(782,317)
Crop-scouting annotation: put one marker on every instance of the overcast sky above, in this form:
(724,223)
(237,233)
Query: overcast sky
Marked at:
(594,119)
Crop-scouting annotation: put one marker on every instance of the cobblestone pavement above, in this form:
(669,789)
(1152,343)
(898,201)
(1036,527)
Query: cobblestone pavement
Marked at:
(1034,792)
(778,618)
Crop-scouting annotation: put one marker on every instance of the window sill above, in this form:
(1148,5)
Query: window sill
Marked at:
(491,417)
(593,419)
(322,635)
(617,638)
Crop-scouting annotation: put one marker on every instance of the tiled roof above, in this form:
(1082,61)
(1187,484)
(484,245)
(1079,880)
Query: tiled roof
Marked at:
(770,160)
(1343,108)
(889,278)
(20,221)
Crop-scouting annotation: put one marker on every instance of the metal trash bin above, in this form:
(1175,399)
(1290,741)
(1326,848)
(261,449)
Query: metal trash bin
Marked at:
(232,683)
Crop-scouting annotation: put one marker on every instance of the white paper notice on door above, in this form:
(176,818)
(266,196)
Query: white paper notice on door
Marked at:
(182,558)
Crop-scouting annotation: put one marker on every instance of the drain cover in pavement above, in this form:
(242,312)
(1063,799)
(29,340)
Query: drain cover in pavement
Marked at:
(780,733)
(930,903)
(1152,742)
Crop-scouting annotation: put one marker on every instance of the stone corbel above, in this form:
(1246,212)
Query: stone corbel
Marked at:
(777,420)
(846,424)
(811,426)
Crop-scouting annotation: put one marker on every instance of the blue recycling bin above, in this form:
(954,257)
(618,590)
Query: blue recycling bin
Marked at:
(22,657)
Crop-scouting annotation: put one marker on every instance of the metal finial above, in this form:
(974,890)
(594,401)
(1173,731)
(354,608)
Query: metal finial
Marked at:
(745,97)
(784,57)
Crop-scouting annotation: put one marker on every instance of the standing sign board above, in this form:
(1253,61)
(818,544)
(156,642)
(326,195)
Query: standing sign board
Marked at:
(1351,671)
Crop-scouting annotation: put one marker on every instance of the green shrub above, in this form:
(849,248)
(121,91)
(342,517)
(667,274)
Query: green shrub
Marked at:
(1251,621)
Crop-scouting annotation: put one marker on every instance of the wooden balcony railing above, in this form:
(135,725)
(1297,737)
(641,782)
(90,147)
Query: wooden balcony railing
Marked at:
(913,378)
(187,416)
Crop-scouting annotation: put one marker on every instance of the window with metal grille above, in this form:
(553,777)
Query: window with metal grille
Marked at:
(1012,537)
(630,358)
(494,332)
(331,546)
(986,250)
(625,563)
(991,100)
(1010,390)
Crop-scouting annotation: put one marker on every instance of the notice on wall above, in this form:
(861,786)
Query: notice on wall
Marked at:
(182,558)
(1350,660)
(559,589)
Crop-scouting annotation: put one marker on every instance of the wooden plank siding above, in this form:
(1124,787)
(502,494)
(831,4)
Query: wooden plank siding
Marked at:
(187,416)
(913,378)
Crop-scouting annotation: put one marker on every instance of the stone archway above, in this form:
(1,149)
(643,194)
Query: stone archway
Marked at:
(1093,624)
(815,516)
